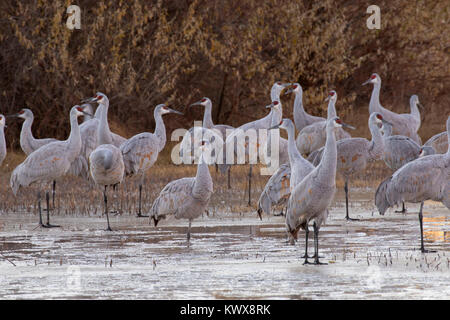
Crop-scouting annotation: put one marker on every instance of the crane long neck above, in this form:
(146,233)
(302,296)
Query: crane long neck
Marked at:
(203,181)
(2,141)
(207,116)
(327,166)
(292,147)
(74,140)
(377,141)
(448,138)
(103,131)
(331,112)
(26,133)
(415,111)
(160,129)
(374,105)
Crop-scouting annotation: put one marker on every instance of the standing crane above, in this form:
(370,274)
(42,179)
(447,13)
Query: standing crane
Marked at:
(313,136)
(405,124)
(354,154)
(29,144)
(49,162)
(263,123)
(426,178)
(141,151)
(311,198)
(106,165)
(185,198)
(221,129)
(399,150)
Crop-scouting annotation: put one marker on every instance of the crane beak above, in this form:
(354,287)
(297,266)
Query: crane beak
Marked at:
(88,100)
(288,91)
(175,111)
(275,127)
(348,126)
(198,103)
(420,106)
(15,115)
(367,82)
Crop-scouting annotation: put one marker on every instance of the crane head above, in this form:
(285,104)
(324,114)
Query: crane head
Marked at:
(2,121)
(201,102)
(296,87)
(338,123)
(332,95)
(374,78)
(163,109)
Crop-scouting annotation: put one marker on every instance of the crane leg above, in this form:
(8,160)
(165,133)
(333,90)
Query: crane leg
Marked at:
(250,186)
(346,202)
(403,208)
(316,245)
(105,200)
(422,248)
(140,215)
(229,177)
(189,233)
(53,194)
(306,246)
(47,199)
(40,209)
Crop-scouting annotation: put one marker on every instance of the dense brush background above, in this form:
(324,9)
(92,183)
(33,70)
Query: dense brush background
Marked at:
(141,53)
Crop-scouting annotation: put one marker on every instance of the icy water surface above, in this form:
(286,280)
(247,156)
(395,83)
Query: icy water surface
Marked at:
(230,256)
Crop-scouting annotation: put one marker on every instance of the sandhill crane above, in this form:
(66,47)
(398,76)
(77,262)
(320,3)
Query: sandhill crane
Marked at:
(399,150)
(223,129)
(439,142)
(106,166)
(301,118)
(263,123)
(311,198)
(405,124)
(100,119)
(2,138)
(283,181)
(426,178)
(185,198)
(354,154)
(29,144)
(141,151)
(49,162)
(313,136)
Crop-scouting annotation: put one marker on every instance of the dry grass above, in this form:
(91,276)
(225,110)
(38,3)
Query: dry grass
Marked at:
(76,196)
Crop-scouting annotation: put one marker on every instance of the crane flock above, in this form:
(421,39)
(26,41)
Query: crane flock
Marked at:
(305,179)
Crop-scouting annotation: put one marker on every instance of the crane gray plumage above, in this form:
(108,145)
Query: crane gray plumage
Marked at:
(313,136)
(106,165)
(2,138)
(141,151)
(50,161)
(283,153)
(222,129)
(276,191)
(405,124)
(311,198)
(88,129)
(354,154)
(263,123)
(185,198)
(426,178)
(439,142)
(29,144)
(301,117)
(399,150)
